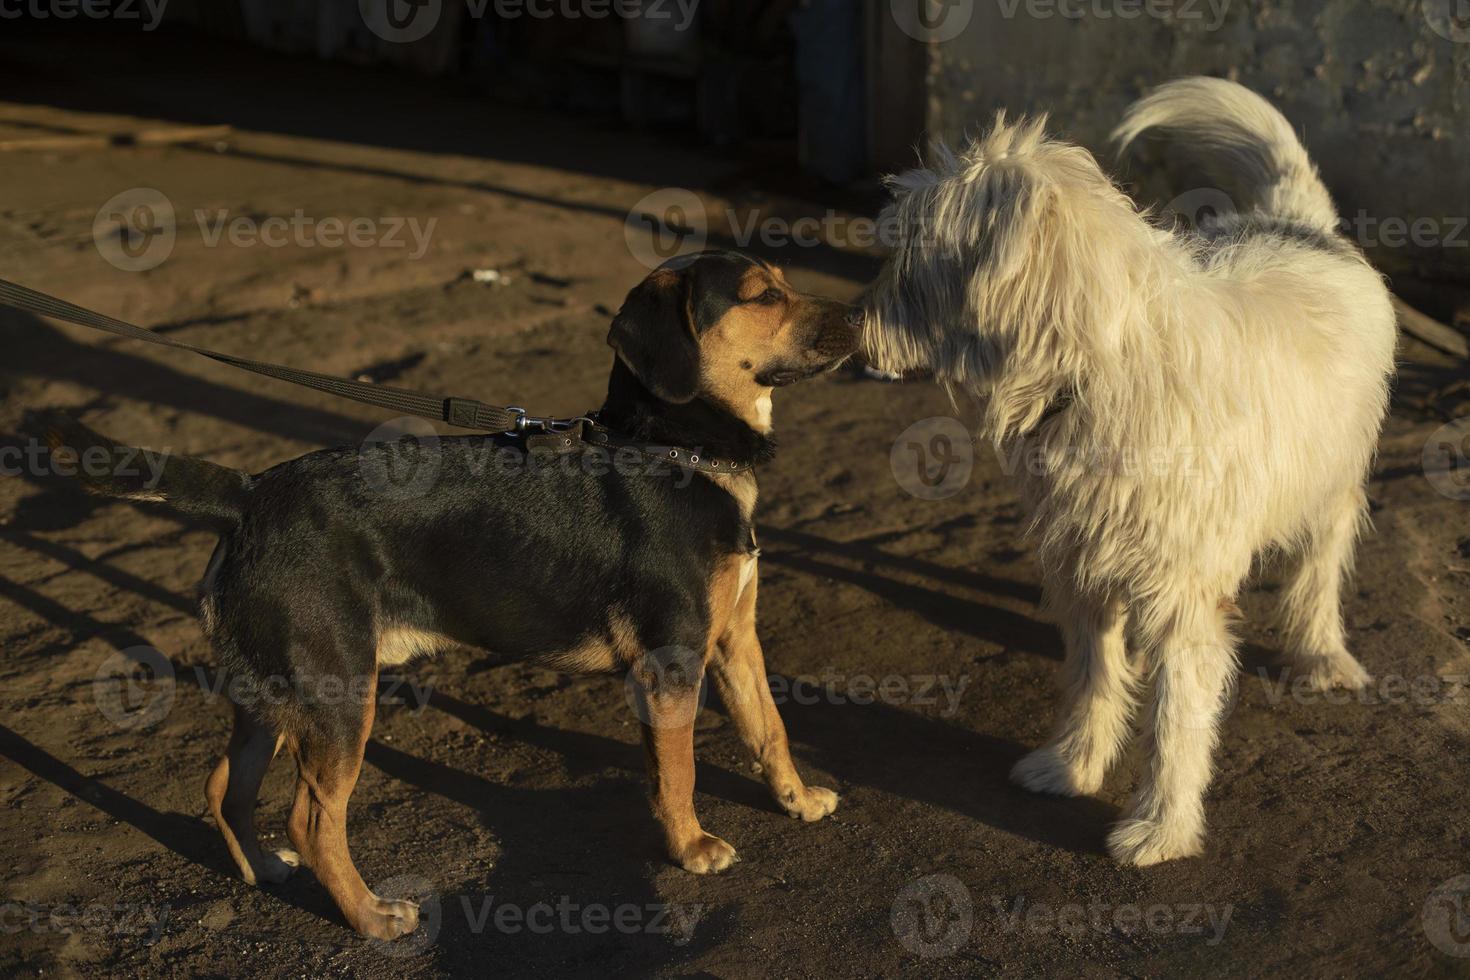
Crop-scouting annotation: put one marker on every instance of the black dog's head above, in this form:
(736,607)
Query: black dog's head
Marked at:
(727,328)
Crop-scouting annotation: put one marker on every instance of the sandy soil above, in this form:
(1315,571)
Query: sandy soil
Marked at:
(497,786)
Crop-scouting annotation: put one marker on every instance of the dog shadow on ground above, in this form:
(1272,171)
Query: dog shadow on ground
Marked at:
(904,753)
(565,846)
(189,837)
(593,843)
(796,550)
(50,354)
(563,851)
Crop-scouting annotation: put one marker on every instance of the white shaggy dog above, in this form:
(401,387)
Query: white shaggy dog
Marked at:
(1183,403)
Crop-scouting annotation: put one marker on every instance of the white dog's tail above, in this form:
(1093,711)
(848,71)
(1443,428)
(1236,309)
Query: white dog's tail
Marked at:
(1241,141)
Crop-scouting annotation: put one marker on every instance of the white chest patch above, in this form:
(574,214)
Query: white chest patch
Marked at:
(763,412)
(747,572)
(398,645)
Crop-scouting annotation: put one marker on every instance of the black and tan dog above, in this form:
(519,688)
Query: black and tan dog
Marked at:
(319,580)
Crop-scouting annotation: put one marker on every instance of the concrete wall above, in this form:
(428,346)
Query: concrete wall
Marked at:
(1380,90)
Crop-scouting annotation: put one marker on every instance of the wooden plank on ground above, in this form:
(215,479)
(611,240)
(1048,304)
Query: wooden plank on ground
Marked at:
(1430,330)
(161,136)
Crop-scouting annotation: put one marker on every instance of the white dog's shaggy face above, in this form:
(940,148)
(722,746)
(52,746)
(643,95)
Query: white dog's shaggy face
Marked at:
(1011,272)
(1175,404)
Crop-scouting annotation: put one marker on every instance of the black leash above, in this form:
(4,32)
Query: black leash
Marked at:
(557,435)
(465,413)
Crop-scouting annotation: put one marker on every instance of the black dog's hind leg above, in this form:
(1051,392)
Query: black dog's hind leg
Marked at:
(232,789)
(329,749)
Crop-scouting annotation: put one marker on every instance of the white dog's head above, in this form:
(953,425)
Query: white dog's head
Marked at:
(1011,273)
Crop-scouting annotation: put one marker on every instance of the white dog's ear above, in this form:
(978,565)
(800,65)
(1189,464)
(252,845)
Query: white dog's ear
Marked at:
(1012,222)
(1004,191)
(902,184)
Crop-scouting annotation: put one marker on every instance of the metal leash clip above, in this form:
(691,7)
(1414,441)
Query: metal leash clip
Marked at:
(526,423)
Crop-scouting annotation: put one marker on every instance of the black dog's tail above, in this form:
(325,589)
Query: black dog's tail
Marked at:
(194,487)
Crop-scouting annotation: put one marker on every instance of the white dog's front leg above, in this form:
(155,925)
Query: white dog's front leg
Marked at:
(1098,703)
(1194,668)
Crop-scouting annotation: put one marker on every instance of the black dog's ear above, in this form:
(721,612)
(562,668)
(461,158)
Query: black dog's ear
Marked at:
(655,336)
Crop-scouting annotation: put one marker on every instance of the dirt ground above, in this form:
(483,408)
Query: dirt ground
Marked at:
(493,787)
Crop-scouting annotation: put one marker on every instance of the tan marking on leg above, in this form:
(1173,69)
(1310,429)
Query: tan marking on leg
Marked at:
(670,750)
(668,702)
(738,668)
(726,587)
(208,614)
(232,790)
(328,771)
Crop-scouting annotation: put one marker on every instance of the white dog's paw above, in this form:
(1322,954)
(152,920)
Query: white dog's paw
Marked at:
(1045,771)
(1140,843)
(1327,672)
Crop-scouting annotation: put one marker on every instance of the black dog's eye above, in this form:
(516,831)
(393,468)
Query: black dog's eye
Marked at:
(772,295)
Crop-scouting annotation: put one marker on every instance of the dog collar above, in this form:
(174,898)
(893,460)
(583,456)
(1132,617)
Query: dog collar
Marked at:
(570,435)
